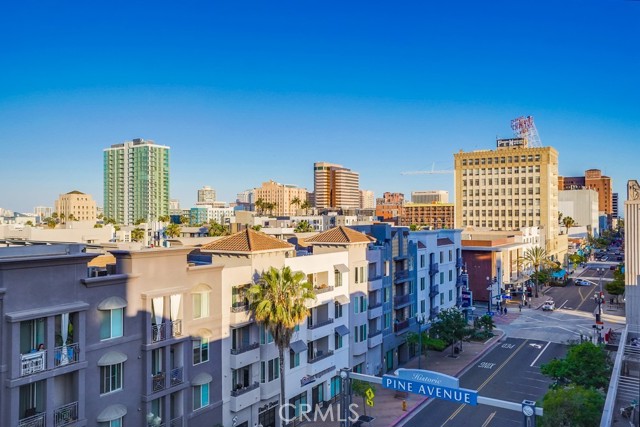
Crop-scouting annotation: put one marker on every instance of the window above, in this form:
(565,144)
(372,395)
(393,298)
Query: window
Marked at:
(200,305)
(441,257)
(360,304)
(442,299)
(337,341)
(422,257)
(441,277)
(423,306)
(361,333)
(451,252)
(200,350)
(297,404)
(112,423)
(270,370)
(387,320)
(111,323)
(265,336)
(387,295)
(294,359)
(110,378)
(422,284)
(450,275)
(338,278)
(200,396)
(336,384)
(450,295)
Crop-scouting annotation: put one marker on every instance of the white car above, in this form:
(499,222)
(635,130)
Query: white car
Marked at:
(581,282)
(549,306)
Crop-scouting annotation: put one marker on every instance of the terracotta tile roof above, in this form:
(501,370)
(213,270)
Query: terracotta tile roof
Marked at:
(340,235)
(248,240)
(445,241)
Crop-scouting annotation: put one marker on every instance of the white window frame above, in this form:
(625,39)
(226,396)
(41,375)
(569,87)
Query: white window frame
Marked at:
(204,303)
(110,319)
(204,342)
(199,403)
(104,370)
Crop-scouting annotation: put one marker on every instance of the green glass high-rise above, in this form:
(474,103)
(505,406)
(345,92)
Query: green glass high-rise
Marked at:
(136,181)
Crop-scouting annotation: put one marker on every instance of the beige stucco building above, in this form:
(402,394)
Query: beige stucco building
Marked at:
(76,205)
(281,195)
(508,188)
(434,215)
(335,186)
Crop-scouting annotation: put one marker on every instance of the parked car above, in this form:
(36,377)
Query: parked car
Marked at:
(582,282)
(620,258)
(549,305)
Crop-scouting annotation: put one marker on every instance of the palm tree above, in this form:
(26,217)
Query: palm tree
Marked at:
(62,218)
(559,217)
(259,205)
(537,257)
(279,303)
(164,218)
(568,222)
(305,205)
(295,201)
(50,221)
(185,219)
(270,207)
(303,227)
(72,217)
(216,229)
(137,234)
(172,230)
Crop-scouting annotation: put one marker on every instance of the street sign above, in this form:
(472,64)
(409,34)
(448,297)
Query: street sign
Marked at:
(506,296)
(370,394)
(429,383)
(369,402)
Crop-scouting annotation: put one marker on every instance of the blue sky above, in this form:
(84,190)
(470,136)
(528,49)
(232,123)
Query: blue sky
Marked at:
(244,91)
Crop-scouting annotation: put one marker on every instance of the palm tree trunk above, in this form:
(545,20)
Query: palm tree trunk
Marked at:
(537,279)
(282,395)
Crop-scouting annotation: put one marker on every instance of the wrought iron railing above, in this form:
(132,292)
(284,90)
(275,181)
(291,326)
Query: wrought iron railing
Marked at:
(66,354)
(37,420)
(245,348)
(401,274)
(65,415)
(243,390)
(158,382)
(401,299)
(176,422)
(239,307)
(31,363)
(434,268)
(319,356)
(320,324)
(401,326)
(176,328)
(322,289)
(175,377)
(374,333)
(159,332)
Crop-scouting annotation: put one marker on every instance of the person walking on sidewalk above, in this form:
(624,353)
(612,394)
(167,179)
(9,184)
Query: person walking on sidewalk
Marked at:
(505,310)
(520,307)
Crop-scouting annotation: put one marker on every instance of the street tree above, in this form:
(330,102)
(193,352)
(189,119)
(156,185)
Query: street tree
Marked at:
(616,287)
(360,388)
(279,302)
(172,230)
(537,257)
(573,406)
(451,327)
(568,222)
(586,365)
(303,227)
(137,234)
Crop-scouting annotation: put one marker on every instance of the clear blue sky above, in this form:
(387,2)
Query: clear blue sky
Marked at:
(248,91)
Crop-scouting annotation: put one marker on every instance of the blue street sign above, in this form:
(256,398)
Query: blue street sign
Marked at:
(490,313)
(430,384)
(506,296)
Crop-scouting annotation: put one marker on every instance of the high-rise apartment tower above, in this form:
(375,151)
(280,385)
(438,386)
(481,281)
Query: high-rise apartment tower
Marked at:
(136,181)
(335,186)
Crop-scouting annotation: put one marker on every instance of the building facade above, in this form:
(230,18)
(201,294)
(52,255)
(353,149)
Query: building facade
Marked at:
(282,196)
(76,206)
(136,181)
(43,212)
(632,254)
(367,199)
(594,180)
(433,215)
(335,186)
(432,196)
(509,188)
(581,205)
(614,205)
(390,207)
(206,195)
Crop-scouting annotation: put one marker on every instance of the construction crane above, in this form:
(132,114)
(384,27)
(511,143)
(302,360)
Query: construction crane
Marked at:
(432,171)
(524,127)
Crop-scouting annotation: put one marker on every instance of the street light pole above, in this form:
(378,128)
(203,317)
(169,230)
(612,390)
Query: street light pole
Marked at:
(490,289)
(420,321)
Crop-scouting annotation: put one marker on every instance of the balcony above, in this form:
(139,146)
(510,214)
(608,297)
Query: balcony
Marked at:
(322,360)
(375,283)
(434,291)
(433,313)
(319,329)
(176,422)
(34,421)
(158,382)
(176,328)
(375,339)
(374,311)
(32,363)
(401,275)
(245,355)
(269,389)
(401,300)
(240,314)
(66,354)
(244,397)
(434,268)
(65,415)
(322,289)
(401,326)
(158,332)
(175,376)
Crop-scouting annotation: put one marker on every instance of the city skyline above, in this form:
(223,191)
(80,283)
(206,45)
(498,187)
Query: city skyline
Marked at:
(244,96)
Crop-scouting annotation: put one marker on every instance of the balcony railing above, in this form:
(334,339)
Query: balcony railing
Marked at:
(65,415)
(401,274)
(66,354)
(434,291)
(33,421)
(374,333)
(320,356)
(176,422)
(322,289)
(243,390)
(31,363)
(246,348)
(401,326)
(434,268)
(320,324)
(158,382)
(159,332)
(239,307)
(175,376)
(176,328)
(401,299)
(375,305)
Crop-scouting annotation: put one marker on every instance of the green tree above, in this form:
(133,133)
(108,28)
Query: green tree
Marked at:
(62,218)
(451,327)
(305,205)
(586,365)
(416,227)
(137,234)
(568,222)
(164,218)
(296,201)
(50,222)
(279,303)
(29,223)
(140,221)
(303,227)
(72,217)
(185,219)
(616,286)
(259,205)
(536,257)
(54,215)
(172,230)
(97,225)
(216,229)
(572,407)
(360,388)
(257,227)
(487,324)
(560,215)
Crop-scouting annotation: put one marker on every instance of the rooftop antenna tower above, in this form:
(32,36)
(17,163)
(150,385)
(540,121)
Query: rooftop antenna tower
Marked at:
(524,127)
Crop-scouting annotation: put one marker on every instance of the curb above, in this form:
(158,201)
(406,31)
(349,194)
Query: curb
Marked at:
(489,346)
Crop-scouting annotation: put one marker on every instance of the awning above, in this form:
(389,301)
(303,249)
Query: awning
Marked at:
(298,346)
(341,268)
(559,274)
(342,330)
(342,299)
(112,358)
(112,303)
(112,413)
(201,378)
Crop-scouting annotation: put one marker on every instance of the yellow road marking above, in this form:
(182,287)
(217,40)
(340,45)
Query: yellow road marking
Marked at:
(488,420)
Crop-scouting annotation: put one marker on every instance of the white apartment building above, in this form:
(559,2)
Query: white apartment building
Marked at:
(367,199)
(582,206)
(42,211)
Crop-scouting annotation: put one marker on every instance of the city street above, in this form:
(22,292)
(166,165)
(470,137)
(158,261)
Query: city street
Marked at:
(509,372)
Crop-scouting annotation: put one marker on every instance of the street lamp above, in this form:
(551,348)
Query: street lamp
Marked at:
(490,289)
(420,320)
(599,299)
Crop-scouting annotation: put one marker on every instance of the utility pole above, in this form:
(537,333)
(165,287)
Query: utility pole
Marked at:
(345,397)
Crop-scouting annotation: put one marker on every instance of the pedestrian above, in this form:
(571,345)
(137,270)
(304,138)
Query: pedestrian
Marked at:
(505,310)
(520,307)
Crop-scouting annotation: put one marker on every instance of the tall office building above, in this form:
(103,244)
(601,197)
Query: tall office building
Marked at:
(76,206)
(136,181)
(432,196)
(614,205)
(367,200)
(206,195)
(335,186)
(512,187)
(282,196)
(594,180)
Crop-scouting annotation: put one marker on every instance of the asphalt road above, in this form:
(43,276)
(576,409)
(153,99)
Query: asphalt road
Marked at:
(511,372)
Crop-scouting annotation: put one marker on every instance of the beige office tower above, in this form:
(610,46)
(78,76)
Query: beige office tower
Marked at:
(282,196)
(632,254)
(511,187)
(335,186)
